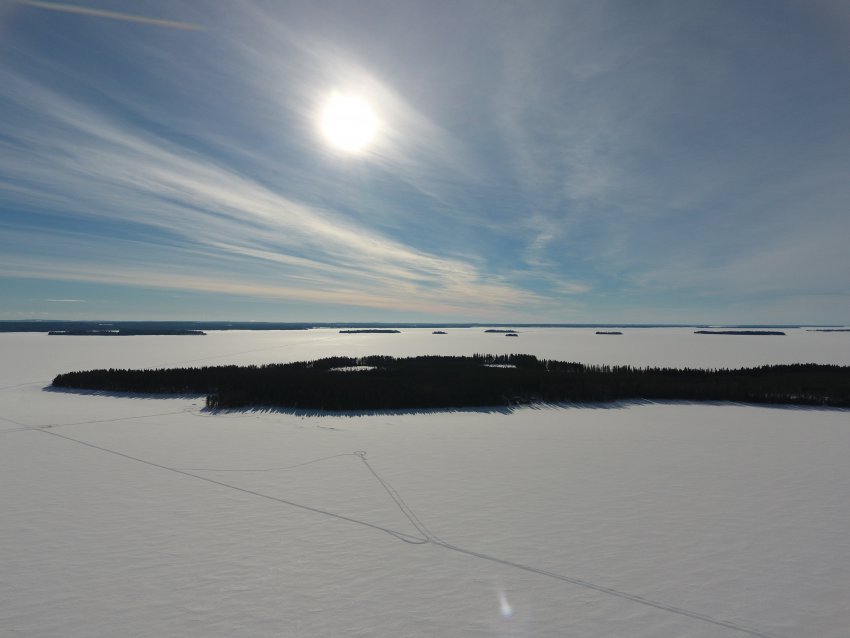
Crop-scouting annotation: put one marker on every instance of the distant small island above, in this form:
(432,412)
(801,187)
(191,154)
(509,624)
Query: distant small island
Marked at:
(368,331)
(500,330)
(511,334)
(386,383)
(739,332)
(828,330)
(125,333)
(608,332)
(439,332)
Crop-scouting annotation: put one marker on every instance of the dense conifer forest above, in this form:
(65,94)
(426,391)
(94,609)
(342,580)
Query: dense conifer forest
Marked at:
(126,333)
(741,332)
(479,380)
(369,331)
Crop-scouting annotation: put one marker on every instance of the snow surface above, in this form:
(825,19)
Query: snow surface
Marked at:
(137,516)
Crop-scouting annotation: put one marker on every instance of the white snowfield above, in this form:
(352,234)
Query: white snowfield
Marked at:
(151,517)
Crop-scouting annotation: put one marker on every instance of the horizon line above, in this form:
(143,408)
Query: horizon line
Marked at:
(426,324)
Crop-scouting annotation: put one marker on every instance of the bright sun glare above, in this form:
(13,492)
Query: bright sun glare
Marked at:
(348,122)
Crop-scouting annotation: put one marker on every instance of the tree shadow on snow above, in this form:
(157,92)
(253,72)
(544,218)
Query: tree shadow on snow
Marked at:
(123,395)
(496,409)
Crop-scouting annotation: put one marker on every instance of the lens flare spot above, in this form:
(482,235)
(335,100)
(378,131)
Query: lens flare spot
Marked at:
(504,606)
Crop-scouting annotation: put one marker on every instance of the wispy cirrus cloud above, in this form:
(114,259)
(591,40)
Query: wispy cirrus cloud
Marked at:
(64,7)
(579,158)
(81,163)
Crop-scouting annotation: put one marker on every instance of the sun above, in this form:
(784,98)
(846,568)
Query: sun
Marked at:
(348,122)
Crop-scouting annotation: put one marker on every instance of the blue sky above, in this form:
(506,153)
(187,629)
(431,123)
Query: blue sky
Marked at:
(533,161)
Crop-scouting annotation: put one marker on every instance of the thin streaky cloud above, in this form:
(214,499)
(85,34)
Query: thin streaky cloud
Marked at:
(110,15)
(205,202)
(552,162)
(66,300)
(92,273)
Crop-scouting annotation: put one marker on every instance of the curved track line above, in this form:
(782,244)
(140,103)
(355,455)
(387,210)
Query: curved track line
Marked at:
(407,538)
(430,538)
(435,540)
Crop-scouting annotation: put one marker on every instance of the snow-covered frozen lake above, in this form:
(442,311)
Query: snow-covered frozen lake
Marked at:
(149,517)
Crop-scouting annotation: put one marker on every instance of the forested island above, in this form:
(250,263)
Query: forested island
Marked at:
(359,331)
(608,332)
(739,332)
(387,383)
(125,333)
(500,330)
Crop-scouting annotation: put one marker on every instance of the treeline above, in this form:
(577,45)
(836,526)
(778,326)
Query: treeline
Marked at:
(740,332)
(454,382)
(126,333)
(369,331)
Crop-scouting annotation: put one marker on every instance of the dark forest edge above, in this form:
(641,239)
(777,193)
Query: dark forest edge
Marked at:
(45,325)
(356,331)
(429,382)
(125,333)
(741,332)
